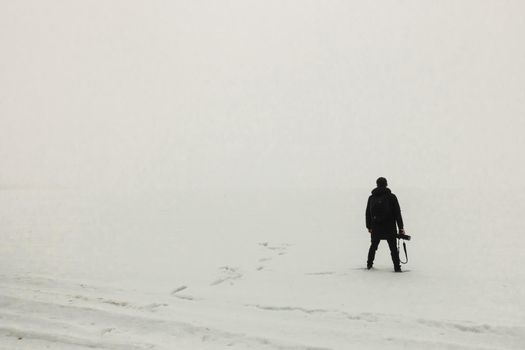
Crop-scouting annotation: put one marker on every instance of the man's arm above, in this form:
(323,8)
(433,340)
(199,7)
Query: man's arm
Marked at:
(397,214)
(368,216)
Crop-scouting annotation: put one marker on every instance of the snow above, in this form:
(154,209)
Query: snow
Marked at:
(257,270)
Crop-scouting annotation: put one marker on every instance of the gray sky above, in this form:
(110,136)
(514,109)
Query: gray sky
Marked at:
(261,93)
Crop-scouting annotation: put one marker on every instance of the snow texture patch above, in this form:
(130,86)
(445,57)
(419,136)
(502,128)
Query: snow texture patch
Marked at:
(360,317)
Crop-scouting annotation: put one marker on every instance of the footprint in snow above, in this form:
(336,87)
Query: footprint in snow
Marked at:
(179,289)
(274,249)
(230,274)
(106,331)
(176,293)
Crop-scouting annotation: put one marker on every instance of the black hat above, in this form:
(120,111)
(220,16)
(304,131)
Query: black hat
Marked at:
(381,182)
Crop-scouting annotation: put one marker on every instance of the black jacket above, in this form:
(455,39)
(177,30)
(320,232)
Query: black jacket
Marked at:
(387,228)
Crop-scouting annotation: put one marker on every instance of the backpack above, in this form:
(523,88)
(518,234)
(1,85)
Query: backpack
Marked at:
(380,208)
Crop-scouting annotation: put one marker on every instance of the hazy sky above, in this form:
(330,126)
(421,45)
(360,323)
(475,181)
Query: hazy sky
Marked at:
(261,93)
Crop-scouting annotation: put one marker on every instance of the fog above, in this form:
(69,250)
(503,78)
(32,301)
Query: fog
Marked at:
(261,94)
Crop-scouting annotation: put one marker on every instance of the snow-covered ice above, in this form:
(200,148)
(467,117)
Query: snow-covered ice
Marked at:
(274,270)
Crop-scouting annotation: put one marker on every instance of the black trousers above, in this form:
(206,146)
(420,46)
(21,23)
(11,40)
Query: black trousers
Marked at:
(393,250)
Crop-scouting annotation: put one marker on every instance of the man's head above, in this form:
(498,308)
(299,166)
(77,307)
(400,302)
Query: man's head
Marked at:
(381,182)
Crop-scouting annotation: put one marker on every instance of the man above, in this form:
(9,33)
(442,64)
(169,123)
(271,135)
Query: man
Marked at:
(382,215)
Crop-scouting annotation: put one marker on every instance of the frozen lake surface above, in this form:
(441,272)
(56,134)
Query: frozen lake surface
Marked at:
(265,270)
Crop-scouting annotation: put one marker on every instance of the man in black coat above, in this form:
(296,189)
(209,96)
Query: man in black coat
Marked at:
(382,215)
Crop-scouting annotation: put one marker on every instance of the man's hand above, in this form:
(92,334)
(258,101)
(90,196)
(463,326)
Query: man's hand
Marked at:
(402,231)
